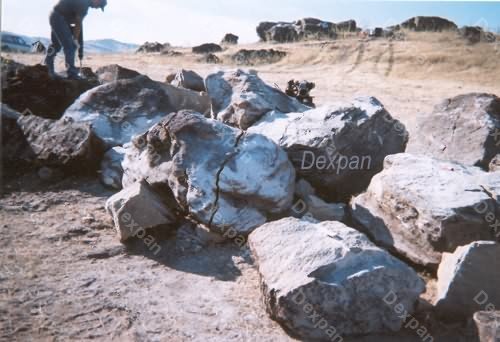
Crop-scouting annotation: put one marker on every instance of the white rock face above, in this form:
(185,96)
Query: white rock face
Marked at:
(240,99)
(337,148)
(136,209)
(111,167)
(122,109)
(349,282)
(465,129)
(469,280)
(422,207)
(221,176)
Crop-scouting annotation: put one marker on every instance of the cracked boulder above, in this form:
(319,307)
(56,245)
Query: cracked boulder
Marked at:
(220,176)
(111,167)
(337,148)
(320,280)
(421,207)
(136,209)
(115,72)
(30,90)
(125,108)
(465,129)
(61,144)
(241,99)
(469,280)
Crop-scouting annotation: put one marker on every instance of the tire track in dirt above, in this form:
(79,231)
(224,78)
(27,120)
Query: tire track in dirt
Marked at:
(359,58)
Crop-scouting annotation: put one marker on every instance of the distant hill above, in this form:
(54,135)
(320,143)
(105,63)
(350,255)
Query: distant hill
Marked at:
(91,46)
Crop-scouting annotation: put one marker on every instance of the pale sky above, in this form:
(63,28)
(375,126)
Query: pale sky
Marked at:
(190,22)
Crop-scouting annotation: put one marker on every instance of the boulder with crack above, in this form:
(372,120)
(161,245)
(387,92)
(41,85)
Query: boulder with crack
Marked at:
(136,209)
(339,147)
(240,99)
(114,72)
(188,79)
(465,129)
(125,108)
(61,143)
(421,207)
(469,280)
(312,271)
(219,175)
(111,167)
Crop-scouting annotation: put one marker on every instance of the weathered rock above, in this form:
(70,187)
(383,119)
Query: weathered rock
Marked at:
(61,144)
(308,204)
(262,29)
(282,33)
(312,271)
(207,48)
(136,209)
(476,34)
(432,24)
(495,164)
(111,167)
(189,80)
(253,57)
(13,142)
(32,90)
(125,108)
(465,129)
(337,148)
(469,280)
(153,47)
(115,72)
(222,177)
(303,29)
(421,207)
(230,39)
(241,99)
(346,26)
(9,69)
(211,59)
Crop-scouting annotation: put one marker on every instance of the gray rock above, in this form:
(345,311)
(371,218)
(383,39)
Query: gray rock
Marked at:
(230,39)
(303,29)
(241,99)
(426,23)
(189,80)
(465,129)
(207,48)
(328,271)
(337,148)
(111,167)
(469,280)
(115,72)
(311,205)
(422,207)
(125,108)
(136,209)
(221,176)
(495,164)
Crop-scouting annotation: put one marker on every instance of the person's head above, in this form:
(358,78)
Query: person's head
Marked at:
(98,4)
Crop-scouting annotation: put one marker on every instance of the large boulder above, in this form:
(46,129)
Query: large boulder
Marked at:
(115,72)
(111,167)
(465,129)
(262,56)
(322,280)
(154,47)
(241,99)
(31,90)
(283,33)
(207,48)
(189,79)
(476,34)
(262,29)
(303,29)
(431,24)
(60,143)
(469,280)
(230,39)
(421,207)
(338,148)
(136,209)
(125,108)
(220,176)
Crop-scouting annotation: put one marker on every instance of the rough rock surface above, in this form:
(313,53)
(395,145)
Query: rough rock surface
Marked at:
(334,271)
(469,280)
(210,59)
(476,34)
(254,57)
(65,144)
(136,209)
(241,99)
(188,79)
(111,167)
(230,39)
(31,90)
(422,207)
(125,108)
(207,48)
(115,72)
(153,47)
(465,129)
(13,141)
(495,164)
(337,148)
(220,176)
(432,24)
(308,204)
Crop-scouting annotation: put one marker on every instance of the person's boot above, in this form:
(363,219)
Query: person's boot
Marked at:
(73,74)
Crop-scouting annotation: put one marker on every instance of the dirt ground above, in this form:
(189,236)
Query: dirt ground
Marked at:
(64,276)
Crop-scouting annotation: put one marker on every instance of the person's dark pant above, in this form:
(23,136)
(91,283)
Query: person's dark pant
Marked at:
(61,37)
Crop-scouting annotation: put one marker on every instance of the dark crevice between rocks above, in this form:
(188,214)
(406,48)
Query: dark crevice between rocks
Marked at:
(217,194)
